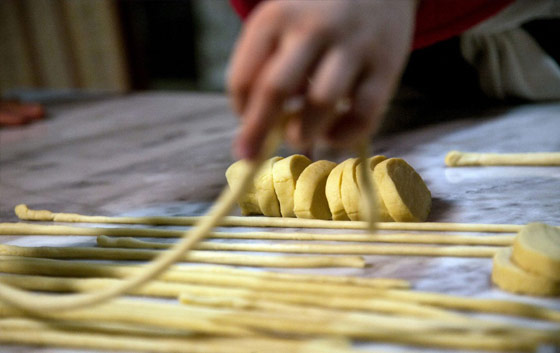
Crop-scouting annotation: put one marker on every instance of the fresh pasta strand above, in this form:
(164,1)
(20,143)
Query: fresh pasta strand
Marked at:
(548,335)
(355,325)
(41,303)
(24,213)
(458,159)
(202,274)
(127,311)
(421,238)
(495,306)
(47,336)
(348,299)
(361,249)
(216,257)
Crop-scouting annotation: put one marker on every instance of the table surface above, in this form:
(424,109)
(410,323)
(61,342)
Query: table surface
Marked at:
(166,154)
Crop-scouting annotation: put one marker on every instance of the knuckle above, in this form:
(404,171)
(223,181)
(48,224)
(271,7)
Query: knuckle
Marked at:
(368,108)
(317,30)
(238,86)
(268,11)
(274,89)
(321,99)
(312,28)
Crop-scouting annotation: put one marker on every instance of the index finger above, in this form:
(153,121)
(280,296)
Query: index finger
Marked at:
(255,45)
(282,78)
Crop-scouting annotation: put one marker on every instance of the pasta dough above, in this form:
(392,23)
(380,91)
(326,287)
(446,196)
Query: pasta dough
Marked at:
(285,174)
(24,213)
(351,197)
(536,249)
(457,159)
(247,202)
(215,257)
(333,192)
(35,229)
(404,192)
(382,211)
(509,277)
(329,191)
(309,197)
(264,185)
(362,249)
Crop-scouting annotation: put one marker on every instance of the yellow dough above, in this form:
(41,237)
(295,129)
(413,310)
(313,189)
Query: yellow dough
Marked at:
(401,193)
(509,277)
(458,159)
(536,249)
(264,186)
(248,201)
(382,211)
(332,191)
(349,190)
(404,192)
(309,197)
(285,174)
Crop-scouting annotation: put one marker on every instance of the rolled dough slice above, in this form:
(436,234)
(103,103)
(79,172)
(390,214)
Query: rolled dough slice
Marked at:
(285,174)
(332,191)
(264,185)
(382,211)
(536,249)
(405,194)
(247,202)
(509,277)
(309,197)
(349,190)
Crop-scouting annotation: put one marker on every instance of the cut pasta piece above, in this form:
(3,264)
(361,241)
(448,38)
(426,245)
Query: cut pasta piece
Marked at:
(404,192)
(349,191)
(509,277)
(382,211)
(536,249)
(285,174)
(309,197)
(248,201)
(332,191)
(264,185)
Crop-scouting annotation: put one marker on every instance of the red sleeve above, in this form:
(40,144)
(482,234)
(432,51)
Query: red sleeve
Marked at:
(436,20)
(243,7)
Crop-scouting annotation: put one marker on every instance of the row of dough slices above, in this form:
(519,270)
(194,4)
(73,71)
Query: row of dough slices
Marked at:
(296,187)
(532,265)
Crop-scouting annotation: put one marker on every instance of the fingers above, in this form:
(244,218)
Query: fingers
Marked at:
(332,82)
(283,77)
(253,49)
(369,103)
(334,43)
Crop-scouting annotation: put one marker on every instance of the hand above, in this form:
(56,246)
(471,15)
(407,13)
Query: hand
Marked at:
(326,50)
(13,113)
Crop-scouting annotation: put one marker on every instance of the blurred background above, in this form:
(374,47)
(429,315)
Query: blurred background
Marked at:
(114,46)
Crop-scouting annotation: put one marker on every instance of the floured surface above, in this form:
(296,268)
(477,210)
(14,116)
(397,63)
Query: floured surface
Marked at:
(166,154)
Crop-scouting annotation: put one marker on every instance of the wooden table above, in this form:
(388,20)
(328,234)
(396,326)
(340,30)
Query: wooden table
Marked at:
(166,154)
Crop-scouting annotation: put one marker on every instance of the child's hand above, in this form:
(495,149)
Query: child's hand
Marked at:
(327,50)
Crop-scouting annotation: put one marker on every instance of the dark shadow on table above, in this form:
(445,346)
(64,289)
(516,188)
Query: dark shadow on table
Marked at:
(440,208)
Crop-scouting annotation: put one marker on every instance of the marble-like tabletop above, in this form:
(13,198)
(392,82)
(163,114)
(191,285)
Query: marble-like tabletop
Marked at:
(166,153)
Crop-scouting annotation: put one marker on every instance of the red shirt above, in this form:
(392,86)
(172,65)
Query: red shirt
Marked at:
(436,20)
